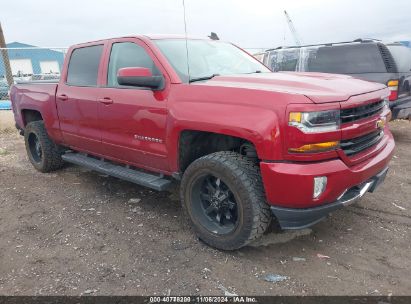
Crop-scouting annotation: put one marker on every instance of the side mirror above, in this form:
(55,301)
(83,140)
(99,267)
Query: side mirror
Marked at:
(139,77)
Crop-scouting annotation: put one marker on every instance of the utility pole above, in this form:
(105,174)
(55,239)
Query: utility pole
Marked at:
(292,29)
(6,60)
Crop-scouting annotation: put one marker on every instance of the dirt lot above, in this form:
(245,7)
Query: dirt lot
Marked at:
(75,231)
(6,122)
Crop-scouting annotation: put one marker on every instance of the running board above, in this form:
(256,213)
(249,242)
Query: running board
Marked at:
(152,181)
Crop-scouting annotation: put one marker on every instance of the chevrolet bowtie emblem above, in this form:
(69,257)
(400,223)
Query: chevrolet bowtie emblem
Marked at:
(380,124)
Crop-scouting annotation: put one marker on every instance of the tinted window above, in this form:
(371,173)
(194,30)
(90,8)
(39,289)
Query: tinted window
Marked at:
(347,59)
(83,66)
(127,55)
(402,57)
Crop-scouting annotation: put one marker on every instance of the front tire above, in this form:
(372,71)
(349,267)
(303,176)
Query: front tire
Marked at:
(43,153)
(223,195)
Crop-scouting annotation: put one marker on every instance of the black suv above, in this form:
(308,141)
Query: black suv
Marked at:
(372,60)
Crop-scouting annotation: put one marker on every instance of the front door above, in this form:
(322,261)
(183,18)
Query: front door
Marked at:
(76,100)
(132,119)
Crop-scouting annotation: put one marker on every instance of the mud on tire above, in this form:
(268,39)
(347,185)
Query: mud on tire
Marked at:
(43,153)
(243,179)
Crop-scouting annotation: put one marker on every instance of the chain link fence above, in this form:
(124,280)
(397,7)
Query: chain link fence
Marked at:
(28,63)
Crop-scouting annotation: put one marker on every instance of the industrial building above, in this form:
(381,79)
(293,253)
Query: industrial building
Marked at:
(26,60)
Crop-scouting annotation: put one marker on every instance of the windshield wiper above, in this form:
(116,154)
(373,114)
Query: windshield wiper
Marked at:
(203,78)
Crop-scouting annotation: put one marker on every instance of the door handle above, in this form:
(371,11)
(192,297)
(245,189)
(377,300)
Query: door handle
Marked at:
(63,97)
(106,100)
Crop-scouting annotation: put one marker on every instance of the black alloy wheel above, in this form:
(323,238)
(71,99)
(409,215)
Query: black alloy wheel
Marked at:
(214,204)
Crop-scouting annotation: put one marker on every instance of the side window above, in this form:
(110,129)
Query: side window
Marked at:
(127,55)
(284,60)
(347,59)
(402,56)
(83,66)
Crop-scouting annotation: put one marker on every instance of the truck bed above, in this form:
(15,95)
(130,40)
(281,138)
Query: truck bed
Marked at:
(36,96)
(54,81)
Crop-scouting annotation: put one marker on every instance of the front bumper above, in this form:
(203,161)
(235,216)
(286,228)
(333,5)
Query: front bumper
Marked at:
(289,185)
(401,108)
(292,218)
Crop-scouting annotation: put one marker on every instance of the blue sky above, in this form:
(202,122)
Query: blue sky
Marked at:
(250,24)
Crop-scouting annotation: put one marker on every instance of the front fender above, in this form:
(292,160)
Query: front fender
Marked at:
(256,125)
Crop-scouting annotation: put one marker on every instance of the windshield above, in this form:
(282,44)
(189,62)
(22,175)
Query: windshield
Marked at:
(207,58)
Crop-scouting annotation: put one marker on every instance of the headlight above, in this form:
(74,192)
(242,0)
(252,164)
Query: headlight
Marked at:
(315,122)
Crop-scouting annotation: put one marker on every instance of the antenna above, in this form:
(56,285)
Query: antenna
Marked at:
(185,31)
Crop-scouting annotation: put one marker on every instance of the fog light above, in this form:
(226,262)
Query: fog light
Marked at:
(320,182)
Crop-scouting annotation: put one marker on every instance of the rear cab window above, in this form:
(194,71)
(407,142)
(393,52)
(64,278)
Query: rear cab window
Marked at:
(84,66)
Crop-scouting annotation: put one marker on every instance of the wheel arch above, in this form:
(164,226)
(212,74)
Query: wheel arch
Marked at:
(193,144)
(30,115)
(259,126)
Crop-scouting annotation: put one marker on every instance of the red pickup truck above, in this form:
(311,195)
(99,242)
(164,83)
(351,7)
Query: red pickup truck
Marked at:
(247,145)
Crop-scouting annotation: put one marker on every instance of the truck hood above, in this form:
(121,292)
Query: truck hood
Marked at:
(318,87)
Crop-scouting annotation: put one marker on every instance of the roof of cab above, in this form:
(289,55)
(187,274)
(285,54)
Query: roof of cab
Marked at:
(143,37)
(171,36)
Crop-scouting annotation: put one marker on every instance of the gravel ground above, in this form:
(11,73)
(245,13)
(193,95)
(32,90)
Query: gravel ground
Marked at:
(78,232)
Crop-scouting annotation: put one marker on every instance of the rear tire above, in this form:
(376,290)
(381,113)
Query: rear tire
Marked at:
(43,153)
(223,195)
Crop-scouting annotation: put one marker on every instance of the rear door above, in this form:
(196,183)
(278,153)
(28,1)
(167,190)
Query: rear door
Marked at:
(133,119)
(76,99)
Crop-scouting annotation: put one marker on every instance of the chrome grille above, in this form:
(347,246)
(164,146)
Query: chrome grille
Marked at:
(353,114)
(356,145)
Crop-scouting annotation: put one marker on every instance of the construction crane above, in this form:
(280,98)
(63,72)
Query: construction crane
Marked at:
(292,29)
